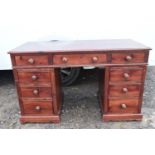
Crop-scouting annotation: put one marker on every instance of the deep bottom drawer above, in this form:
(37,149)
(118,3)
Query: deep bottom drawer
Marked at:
(37,107)
(123,106)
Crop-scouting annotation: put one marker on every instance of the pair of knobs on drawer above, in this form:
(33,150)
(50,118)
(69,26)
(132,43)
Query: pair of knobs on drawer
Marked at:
(65,60)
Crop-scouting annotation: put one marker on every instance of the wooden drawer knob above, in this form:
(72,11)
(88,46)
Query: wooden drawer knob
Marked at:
(123,106)
(125,90)
(31,61)
(128,58)
(64,59)
(126,75)
(34,77)
(37,108)
(95,59)
(35,92)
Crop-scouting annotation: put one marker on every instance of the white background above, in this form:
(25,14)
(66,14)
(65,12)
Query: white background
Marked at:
(30,20)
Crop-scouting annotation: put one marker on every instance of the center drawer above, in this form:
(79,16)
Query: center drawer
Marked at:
(82,59)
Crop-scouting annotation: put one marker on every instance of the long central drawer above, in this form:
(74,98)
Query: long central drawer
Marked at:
(76,59)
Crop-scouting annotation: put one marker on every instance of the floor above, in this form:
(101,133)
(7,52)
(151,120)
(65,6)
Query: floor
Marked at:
(80,109)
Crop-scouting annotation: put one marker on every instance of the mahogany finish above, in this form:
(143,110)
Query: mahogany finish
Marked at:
(83,59)
(31,60)
(130,57)
(36,92)
(36,70)
(38,107)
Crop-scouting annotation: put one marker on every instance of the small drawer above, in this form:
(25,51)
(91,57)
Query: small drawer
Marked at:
(82,59)
(31,107)
(36,92)
(124,90)
(119,58)
(121,74)
(30,76)
(123,106)
(31,60)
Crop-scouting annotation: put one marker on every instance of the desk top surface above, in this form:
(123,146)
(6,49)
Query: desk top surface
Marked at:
(80,45)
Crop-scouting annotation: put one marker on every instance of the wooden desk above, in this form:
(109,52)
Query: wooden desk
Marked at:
(36,70)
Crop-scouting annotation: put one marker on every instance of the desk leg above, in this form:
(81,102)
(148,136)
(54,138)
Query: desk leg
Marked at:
(56,91)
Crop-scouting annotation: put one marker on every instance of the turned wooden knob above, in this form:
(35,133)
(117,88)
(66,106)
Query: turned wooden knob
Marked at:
(125,90)
(64,59)
(123,106)
(31,61)
(128,58)
(95,59)
(126,75)
(37,108)
(35,92)
(34,77)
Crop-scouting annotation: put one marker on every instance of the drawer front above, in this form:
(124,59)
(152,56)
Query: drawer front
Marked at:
(123,106)
(36,92)
(126,74)
(33,77)
(124,90)
(31,60)
(37,107)
(119,58)
(76,59)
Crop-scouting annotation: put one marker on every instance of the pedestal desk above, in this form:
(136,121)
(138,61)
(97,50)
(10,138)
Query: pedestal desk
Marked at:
(36,68)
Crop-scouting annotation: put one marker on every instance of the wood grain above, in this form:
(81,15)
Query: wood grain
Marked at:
(83,59)
(36,68)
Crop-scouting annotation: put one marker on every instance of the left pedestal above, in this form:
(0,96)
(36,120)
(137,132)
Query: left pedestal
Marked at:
(38,88)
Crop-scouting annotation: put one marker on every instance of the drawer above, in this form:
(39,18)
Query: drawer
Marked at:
(37,107)
(31,60)
(121,74)
(30,76)
(123,106)
(36,92)
(128,58)
(76,59)
(124,90)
